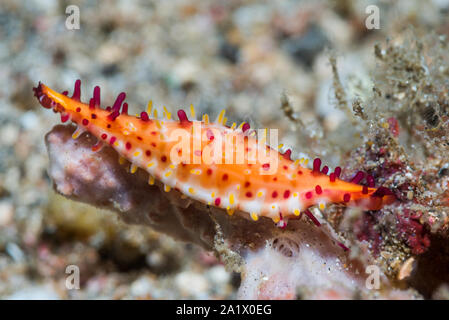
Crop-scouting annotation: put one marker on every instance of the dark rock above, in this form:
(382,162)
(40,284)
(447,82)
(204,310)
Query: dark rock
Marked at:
(304,48)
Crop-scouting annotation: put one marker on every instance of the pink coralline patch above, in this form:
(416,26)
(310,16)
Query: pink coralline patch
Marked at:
(414,233)
(365,230)
(393,126)
(387,168)
(408,227)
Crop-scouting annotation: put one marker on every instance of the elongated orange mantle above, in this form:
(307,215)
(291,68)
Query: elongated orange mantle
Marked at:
(274,186)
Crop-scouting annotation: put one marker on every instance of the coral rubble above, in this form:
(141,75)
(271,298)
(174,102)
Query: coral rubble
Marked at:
(274,262)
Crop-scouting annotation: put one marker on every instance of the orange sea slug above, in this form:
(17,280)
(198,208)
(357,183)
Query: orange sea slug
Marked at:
(239,180)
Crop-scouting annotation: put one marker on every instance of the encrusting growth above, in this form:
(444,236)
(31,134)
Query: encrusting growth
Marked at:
(201,166)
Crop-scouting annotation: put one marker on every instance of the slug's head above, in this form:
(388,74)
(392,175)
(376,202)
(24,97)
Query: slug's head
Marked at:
(59,102)
(71,108)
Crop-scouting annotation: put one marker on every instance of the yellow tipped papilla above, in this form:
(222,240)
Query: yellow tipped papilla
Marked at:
(77,133)
(263,139)
(149,165)
(231,198)
(221,116)
(150,107)
(206,119)
(167,113)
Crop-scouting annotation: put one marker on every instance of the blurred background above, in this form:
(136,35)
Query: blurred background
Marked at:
(241,55)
